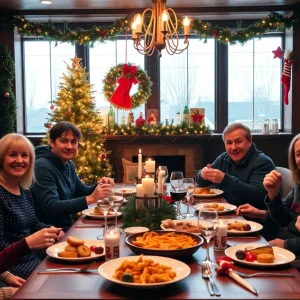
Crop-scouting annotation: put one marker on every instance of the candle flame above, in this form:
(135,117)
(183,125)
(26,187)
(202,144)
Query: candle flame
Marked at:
(140,151)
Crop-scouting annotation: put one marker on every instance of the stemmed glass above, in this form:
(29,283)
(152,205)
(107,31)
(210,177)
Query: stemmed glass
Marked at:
(178,192)
(104,206)
(208,226)
(189,185)
(117,203)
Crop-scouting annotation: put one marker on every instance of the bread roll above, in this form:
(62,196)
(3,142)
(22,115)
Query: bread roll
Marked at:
(265,258)
(74,241)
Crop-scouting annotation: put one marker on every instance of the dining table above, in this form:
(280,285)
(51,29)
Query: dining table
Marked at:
(93,286)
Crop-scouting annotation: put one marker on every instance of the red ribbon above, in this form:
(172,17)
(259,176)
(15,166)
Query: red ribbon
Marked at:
(197,118)
(121,97)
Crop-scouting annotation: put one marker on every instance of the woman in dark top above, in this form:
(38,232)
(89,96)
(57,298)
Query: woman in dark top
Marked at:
(17,214)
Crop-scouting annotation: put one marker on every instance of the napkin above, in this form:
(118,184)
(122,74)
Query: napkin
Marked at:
(225,267)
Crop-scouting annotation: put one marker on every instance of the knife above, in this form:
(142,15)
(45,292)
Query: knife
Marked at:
(64,271)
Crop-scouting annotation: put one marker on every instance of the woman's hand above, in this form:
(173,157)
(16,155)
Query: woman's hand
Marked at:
(272,183)
(101,191)
(297,224)
(15,281)
(43,238)
(251,212)
(108,180)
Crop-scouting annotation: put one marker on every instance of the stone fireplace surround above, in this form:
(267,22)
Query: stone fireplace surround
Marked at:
(128,146)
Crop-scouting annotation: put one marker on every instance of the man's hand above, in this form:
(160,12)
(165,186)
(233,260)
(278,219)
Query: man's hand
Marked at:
(107,180)
(251,212)
(278,242)
(213,175)
(101,191)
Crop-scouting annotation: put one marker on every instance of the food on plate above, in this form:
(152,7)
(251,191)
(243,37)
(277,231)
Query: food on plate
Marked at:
(168,241)
(75,248)
(184,226)
(84,251)
(204,191)
(143,271)
(239,226)
(74,241)
(97,211)
(261,255)
(67,254)
(216,206)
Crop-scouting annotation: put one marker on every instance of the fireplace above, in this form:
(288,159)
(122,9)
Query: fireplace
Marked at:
(173,162)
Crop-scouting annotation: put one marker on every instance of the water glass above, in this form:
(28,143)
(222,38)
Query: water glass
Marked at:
(104,206)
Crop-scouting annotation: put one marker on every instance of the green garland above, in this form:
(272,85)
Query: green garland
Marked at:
(160,129)
(150,218)
(273,22)
(144,84)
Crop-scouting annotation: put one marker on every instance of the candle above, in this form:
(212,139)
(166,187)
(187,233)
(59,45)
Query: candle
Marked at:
(150,166)
(140,164)
(164,19)
(220,239)
(186,23)
(112,243)
(139,190)
(133,27)
(148,186)
(161,173)
(138,23)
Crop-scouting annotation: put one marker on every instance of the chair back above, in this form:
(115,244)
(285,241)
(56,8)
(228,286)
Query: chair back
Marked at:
(287,180)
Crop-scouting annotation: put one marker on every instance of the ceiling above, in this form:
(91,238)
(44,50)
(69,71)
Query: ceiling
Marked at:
(110,9)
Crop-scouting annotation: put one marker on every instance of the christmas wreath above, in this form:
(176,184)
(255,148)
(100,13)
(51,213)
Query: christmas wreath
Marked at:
(126,75)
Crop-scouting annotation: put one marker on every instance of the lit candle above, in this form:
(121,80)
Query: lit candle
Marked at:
(139,190)
(186,24)
(164,19)
(133,27)
(112,243)
(148,186)
(138,22)
(161,173)
(140,164)
(150,166)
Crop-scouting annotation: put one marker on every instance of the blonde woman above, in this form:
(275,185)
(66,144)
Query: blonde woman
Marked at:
(17,214)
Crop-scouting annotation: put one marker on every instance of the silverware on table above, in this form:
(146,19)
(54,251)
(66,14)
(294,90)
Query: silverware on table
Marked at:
(204,267)
(69,270)
(264,274)
(241,237)
(261,247)
(92,225)
(215,288)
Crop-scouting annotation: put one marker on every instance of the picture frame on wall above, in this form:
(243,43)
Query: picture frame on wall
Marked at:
(197,115)
(152,116)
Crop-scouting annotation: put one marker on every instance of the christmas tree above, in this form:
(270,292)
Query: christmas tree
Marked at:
(75,104)
(8,107)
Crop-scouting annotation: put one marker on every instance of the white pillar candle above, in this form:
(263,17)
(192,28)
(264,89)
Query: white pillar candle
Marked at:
(150,166)
(148,186)
(220,238)
(139,190)
(161,173)
(140,164)
(112,243)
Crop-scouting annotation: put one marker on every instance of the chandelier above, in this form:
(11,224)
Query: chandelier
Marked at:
(160,32)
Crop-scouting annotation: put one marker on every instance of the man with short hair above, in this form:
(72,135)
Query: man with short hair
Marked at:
(58,192)
(239,171)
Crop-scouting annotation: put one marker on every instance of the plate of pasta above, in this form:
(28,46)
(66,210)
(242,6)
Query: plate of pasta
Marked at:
(163,243)
(164,271)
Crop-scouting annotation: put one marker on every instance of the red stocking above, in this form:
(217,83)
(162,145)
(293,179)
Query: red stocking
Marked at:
(286,79)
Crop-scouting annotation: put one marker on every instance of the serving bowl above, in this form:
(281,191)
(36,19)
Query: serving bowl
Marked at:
(169,252)
(136,229)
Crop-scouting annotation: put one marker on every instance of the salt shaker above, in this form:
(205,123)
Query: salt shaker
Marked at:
(275,126)
(266,126)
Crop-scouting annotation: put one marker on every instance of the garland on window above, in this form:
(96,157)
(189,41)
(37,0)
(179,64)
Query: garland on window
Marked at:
(203,30)
(144,85)
(160,129)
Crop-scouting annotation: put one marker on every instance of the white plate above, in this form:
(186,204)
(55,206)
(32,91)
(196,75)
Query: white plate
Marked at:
(282,256)
(90,213)
(227,207)
(127,191)
(54,249)
(194,222)
(216,193)
(107,270)
(254,227)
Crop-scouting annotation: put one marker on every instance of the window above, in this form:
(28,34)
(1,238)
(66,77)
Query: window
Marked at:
(188,79)
(254,89)
(44,65)
(102,58)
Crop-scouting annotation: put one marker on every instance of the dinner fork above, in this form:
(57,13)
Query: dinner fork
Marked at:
(263,274)
(205,276)
(67,270)
(206,273)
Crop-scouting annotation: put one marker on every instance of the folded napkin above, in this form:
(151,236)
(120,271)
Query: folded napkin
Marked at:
(225,267)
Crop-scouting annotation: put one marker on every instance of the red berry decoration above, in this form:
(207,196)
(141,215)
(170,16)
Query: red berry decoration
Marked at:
(6,94)
(214,32)
(52,107)
(68,113)
(102,156)
(99,250)
(93,248)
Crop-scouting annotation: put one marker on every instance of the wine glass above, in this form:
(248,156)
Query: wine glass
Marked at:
(117,203)
(208,226)
(189,185)
(104,206)
(178,192)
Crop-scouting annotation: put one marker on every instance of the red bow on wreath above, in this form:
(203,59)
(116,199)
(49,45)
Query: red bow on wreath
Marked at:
(121,97)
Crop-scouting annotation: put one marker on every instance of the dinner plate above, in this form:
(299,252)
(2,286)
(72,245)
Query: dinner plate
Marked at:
(54,249)
(254,227)
(107,270)
(282,256)
(90,213)
(126,191)
(193,222)
(227,207)
(216,192)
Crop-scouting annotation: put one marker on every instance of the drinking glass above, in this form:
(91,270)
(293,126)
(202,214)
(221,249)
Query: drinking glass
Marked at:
(118,201)
(189,185)
(208,226)
(178,193)
(104,206)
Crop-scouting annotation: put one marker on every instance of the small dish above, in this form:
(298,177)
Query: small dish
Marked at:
(137,229)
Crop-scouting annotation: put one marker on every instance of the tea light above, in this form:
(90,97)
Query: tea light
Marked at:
(139,190)
(150,166)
